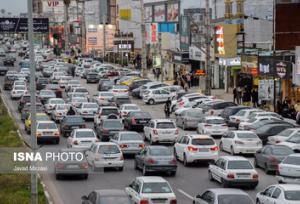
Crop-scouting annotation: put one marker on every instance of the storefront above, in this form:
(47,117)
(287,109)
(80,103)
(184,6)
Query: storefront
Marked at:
(181,64)
(229,69)
(197,61)
(248,76)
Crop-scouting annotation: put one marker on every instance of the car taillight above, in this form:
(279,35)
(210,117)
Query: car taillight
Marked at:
(144,202)
(123,146)
(155,132)
(133,122)
(75,142)
(238,142)
(255,176)
(101,98)
(176,132)
(207,125)
(173,161)
(84,165)
(59,166)
(174,201)
(230,176)
(277,141)
(216,148)
(192,149)
(56,134)
(151,161)
(141,146)
(121,158)
(181,103)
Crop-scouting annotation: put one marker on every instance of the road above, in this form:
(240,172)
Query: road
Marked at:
(188,181)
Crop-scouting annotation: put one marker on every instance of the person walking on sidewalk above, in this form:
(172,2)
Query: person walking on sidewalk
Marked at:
(254,96)
(234,92)
(239,95)
(167,107)
(189,80)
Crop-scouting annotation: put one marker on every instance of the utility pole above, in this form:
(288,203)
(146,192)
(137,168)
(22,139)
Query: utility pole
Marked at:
(161,57)
(34,191)
(66,19)
(143,30)
(208,43)
(104,35)
(83,30)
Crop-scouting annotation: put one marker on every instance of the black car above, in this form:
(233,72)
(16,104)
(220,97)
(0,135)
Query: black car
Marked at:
(3,70)
(137,120)
(71,122)
(136,92)
(41,83)
(108,127)
(106,85)
(110,196)
(270,130)
(9,82)
(261,123)
(25,99)
(101,81)
(8,61)
(232,110)
(137,83)
(92,77)
(120,100)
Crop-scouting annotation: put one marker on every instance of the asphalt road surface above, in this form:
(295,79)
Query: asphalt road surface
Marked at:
(188,181)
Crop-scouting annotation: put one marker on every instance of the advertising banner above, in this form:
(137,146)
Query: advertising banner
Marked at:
(266,90)
(197,24)
(184,33)
(160,13)
(154,33)
(125,14)
(173,12)
(20,25)
(148,14)
(226,40)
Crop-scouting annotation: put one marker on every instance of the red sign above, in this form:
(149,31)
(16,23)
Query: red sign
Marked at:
(53,3)
(154,33)
(200,72)
(220,40)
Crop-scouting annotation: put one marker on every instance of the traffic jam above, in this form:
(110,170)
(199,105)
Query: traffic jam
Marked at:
(116,116)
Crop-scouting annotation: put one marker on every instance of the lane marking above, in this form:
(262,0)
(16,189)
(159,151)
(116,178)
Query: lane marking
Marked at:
(186,194)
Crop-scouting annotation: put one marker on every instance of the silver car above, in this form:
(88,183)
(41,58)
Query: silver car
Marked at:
(60,112)
(130,142)
(88,110)
(189,118)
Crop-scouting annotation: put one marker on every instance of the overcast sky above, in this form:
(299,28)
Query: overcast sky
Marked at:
(14,6)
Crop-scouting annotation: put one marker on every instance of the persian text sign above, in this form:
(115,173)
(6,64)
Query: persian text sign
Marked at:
(20,25)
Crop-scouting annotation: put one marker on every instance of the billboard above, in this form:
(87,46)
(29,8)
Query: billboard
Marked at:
(226,40)
(160,13)
(148,14)
(125,14)
(20,25)
(197,24)
(287,24)
(184,33)
(173,12)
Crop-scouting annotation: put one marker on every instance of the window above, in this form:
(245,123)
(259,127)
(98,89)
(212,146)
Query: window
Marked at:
(267,151)
(136,187)
(156,92)
(108,149)
(203,142)
(292,160)
(286,133)
(239,164)
(156,187)
(165,125)
(276,193)
(223,164)
(225,199)
(208,197)
(292,195)
(160,152)
(92,197)
(268,191)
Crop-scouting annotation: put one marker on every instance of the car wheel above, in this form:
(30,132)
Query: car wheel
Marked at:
(257,201)
(232,150)
(145,173)
(210,176)
(85,176)
(151,102)
(120,168)
(172,173)
(58,177)
(185,162)
(266,169)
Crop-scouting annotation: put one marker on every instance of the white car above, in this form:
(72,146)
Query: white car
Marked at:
(233,171)
(196,148)
(279,193)
(293,142)
(52,103)
(56,76)
(251,121)
(119,90)
(81,138)
(79,90)
(63,81)
(18,91)
(161,130)
(264,114)
(130,142)
(158,95)
(125,109)
(212,125)
(149,86)
(235,142)
(103,98)
(150,189)
(88,110)
(186,100)
(71,84)
(20,83)
(242,115)
(283,136)
(105,154)
(60,112)
(47,131)
(289,169)
(77,101)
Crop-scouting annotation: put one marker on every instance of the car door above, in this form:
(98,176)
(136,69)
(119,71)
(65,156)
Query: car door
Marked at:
(266,195)
(90,154)
(140,157)
(70,138)
(275,195)
(259,156)
(215,169)
(182,146)
(132,192)
(207,198)
(164,95)
(264,156)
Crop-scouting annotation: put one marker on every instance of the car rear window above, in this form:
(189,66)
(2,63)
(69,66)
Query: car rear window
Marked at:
(141,114)
(203,141)
(109,149)
(282,150)
(160,152)
(292,195)
(74,120)
(246,135)
(84,134)
(226,199)
(165,125)
(47,126)
(107,111)
(115,124)
(156,187)
(90,105)
(215,121)
(292,160)
(239,165)
(130,136)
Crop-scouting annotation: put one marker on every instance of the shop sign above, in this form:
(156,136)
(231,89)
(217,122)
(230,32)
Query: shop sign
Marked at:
(196,54)
(20,25)
(92,40)
(177,57)
(297,64)
(264,68)
(200,72)
(281,69)
(125,14)
(266,90)
(153,33)
(173,12)
(184,32)
(219,33)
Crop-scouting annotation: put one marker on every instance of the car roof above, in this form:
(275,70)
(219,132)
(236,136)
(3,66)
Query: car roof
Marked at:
(213,117)
(234,158)
(242,131)
(227,191)
(289,187)
(151,179)
(48,121)
(109,107)
(157,147)
(105,143)
(162,120)
(110,192)
(200,136)
(83,130)
(294,155)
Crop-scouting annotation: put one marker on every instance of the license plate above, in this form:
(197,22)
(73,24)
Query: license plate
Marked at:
(203,150)
(74,127)
(72,166)
(132,145)
(243,176)
(47,133)
(142,121)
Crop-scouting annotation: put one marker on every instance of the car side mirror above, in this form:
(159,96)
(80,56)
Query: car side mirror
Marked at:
(199,196)
(262,193)
(84,198)
(212,162)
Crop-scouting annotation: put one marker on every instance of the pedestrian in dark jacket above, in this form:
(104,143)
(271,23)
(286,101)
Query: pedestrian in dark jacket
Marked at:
(167,107)
(71,111)
(246,97)
(255,97)
(234,92)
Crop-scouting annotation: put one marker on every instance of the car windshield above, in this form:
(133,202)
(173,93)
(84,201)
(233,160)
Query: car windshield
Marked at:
(113,200)
(282,150)
(120,87)
(109,149)
(20,88)
(252,120)
(239,165)
(46,126)
(131,108)
(42,117)
(130,136)
(246,135)
(80,100)
(156,187)
(81,90)
(123,100)
(90,105)
(292,160)
(292,195)
(141,114)
(47,93)
(165,125)
(112,124)
(84,134)
(57,102)
(294,139)
(228,199)
(195,114)
(107,111)
(61,107)
(215,121)
(206,141)
(74,120)
(160,152)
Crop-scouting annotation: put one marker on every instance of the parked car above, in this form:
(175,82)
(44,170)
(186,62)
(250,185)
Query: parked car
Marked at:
(107,196)
(119,100)
(104,155)
(108,127)
(125,109)
(92,77)
(213,125)
(137,120)
(88,110)
(233,171)
(242,116)
(130,142)
(189,118)
(156,159)
(288,170)
(47,131)
(231,111)
(222,196)
(160,131)
(196,148)
(158,95)
(216,108)
(279,193)
(137,83)
(283,135)
(71,122)
(251,121)
(71,167)
(270,156)
(81,138)
(293,142)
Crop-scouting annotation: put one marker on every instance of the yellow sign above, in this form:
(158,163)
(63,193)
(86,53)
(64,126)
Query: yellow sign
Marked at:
(125,14)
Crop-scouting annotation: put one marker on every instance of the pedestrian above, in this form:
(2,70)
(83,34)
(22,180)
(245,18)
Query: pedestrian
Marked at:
(254,96)
(239,95)
(189,80)
(234,92)
(279,107)
(246,97)
(71,111)
(157,73)
(167,107)
(73,71)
